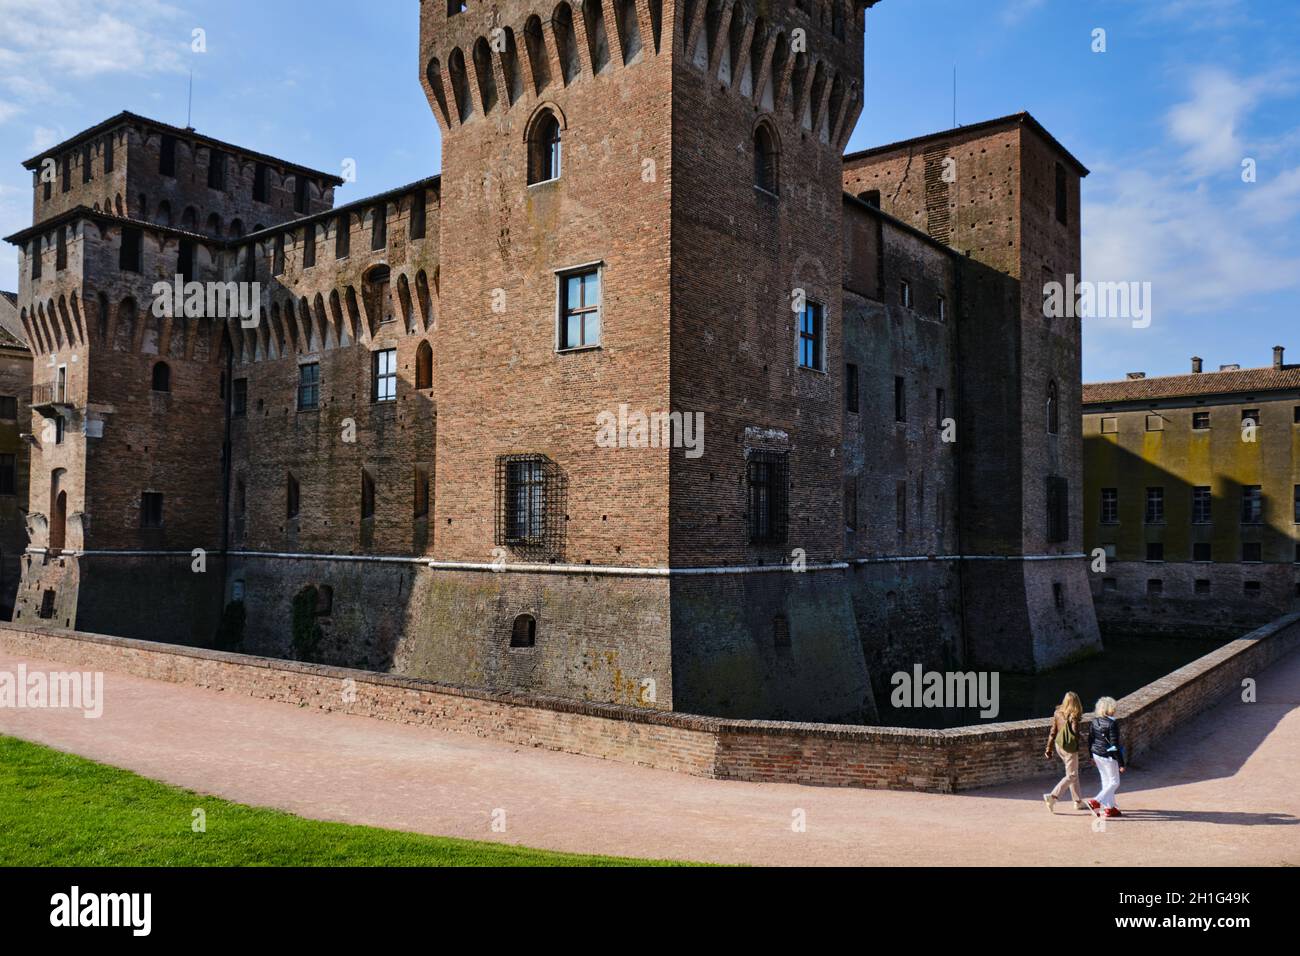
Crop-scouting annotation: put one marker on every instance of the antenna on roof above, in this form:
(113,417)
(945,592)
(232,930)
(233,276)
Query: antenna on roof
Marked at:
(189,108)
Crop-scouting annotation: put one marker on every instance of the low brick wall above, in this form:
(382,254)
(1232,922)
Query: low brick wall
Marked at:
(894,758)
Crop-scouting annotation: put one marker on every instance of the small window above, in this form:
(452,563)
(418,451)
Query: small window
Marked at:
(1109,550)
(67,172)
(1202,551)
(1155,551)
(87,155)
(379,228)
(1200,421)
(767,477)
(424,366)
(61,249)
(108,153)
(167,156)
(8,408)
(905,293)
(1202,505)
(871,197)
(261,176)
(1252,552)
(1155,423)
(900,399)
(309,386)
(162,377)
(943,309)
(900,507)
(851,388)
(1155,511)
(132,246)
(523,633)
(545,150)
(151,509)
(1250,416)
(523,486)
(277,260)
(301,193)
(1110,506)
(766,161)
(1155,586)
(456,6)
(851,503)
(421,480)
(1251,589)
(8,475)
(216,170)
(580,309)
(35,254)
(812,336)
(239,401)
(1058,595)
(384,376)
(367,495)
(1202,586)
(1252,504)
(47,604)
(342,237)
(292,497)
(1109,426)
(1058,509)
(309,245)
(419,215)
(1297,414)
(185,260)
(59,427)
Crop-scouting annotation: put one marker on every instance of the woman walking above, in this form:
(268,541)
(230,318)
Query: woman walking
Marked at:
(1108,755)
(1064,735)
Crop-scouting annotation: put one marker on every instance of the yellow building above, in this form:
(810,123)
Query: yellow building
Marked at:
(1192,497)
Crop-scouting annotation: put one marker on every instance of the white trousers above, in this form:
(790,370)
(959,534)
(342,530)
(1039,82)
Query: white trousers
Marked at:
(1108,767)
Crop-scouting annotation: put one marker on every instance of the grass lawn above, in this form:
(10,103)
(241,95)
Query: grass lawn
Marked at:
(57,809)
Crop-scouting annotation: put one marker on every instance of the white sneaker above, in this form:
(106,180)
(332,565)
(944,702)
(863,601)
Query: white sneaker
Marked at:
(1050,801)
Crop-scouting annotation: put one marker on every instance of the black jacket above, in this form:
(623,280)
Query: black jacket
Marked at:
(1103,739)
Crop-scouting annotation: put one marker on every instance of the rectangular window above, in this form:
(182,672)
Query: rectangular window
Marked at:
(239,400)
(1202,586)
(367,495)
(216,169)
(384,377)
(185,260)
(301,193)
(579,309)
(1110,506)
(943,309)
(419,215)
(8,475)
(9,411)
(1202,551)
(851,388)
(811,336)
(851,504)
(1110,426)
(940,407)
(61,249)
(59,426)
(525,500)
(250,262)
(1155,423)
(1251,589)
(1252,504)
(900,507)
(1252,551)
(36,256)
(261,176)
(1297,414)
(1250,416)
(1058,509)
(900,399)
(1155,513)
(309,385)
(1200,421)
(1155,551)
(766,478)
(277,260)
(379,228)
(421,492)
(309,245)
(342,237)
(108,153)
(1155,586)
(167,156)
(292,497)
(132,247)
(905,293)
(87,157)
(1109,584)
(1202,505)
(151,509)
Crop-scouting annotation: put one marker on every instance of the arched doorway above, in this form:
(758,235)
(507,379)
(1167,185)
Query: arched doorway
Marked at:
(58,511)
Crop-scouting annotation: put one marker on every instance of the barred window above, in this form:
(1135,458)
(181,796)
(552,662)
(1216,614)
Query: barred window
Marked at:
(530,493)
(526,501)
(767,480)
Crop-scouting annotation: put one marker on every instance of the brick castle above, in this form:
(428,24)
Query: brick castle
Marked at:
(644,209)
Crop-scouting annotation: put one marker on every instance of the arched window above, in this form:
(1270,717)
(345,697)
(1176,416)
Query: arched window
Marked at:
(424,366)
(1053,409)
(524,631)
(58,510)
(766,160)
(214,225)
(162,377)
(545,153)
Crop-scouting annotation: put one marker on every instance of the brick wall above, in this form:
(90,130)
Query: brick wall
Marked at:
(941,761)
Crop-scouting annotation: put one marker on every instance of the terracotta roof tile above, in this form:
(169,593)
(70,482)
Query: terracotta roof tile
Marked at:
(1191,385)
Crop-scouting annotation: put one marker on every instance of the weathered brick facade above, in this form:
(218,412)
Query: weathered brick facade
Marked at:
(454,503)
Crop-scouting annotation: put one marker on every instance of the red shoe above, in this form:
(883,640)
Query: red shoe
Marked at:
(1094,804)
(1113,812)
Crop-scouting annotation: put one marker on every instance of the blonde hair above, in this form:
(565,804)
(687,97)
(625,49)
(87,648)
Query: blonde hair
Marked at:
(1070,705)
(1106,707)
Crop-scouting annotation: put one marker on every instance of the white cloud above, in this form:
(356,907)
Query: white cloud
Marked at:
(1016,10)
(1208,126)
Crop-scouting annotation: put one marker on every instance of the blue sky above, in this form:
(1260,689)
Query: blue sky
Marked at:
(1185,91)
